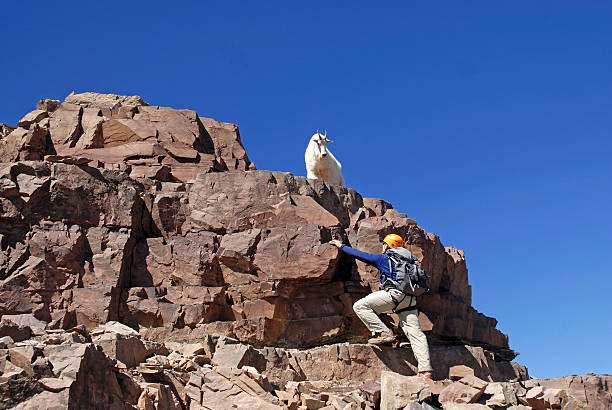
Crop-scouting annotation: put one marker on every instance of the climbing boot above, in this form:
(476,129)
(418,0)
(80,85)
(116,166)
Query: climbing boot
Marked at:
(384,337)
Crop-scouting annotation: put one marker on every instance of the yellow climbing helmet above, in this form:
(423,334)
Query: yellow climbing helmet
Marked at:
(393,240)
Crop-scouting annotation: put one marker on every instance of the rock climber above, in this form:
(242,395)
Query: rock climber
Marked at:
(389,300)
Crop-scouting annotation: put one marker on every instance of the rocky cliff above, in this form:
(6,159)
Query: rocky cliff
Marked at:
(146,263)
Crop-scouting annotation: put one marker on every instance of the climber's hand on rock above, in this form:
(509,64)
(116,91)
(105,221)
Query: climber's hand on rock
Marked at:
(336,243)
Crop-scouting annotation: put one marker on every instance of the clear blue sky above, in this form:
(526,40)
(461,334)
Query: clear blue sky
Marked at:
(498,115)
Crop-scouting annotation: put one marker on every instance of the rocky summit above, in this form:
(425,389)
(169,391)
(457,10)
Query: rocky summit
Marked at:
(147,264)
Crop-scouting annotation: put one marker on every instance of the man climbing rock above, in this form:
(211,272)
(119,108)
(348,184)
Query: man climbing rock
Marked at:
(388,300)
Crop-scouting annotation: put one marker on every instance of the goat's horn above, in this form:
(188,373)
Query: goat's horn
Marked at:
(325,133)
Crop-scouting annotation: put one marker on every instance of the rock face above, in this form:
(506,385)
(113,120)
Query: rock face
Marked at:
(84,245)
(117,215)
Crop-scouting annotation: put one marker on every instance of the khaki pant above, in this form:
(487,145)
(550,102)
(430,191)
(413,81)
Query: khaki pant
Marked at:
(368,308)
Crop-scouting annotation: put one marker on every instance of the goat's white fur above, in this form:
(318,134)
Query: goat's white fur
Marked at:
(320,162)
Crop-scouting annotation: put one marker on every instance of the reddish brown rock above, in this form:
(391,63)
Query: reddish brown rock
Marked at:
(236,254)
(122,131)
(95,382)
(67,159)
(227,142)
(16,390)
(95,306)
(56,385)
(496,396)
(227,388)
(236,355)
(26,144)
(89,99)
(178,306)
(230,202)
(460,393)
(152,263)
(473,381)
(120,342)
(23,356)
(32,118)
(591,389)
(15,332)
(65,125)
(8,188)
(89,197)
(117,153)
(174,126)
(90,125)
(460,371)
(294,254)
(22,321)
(65,247)
(175,382)
(535,398)
(189,261)
(48,104)
(398,391)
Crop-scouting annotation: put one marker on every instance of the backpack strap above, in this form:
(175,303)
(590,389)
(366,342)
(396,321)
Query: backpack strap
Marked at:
(397,302)
(407,308)
(392,275)
(382,276)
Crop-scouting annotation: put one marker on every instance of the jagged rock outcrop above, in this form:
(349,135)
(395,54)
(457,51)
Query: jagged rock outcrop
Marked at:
(119,132)
(114,211)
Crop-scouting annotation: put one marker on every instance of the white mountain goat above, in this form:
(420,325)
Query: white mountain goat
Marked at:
(320,163)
